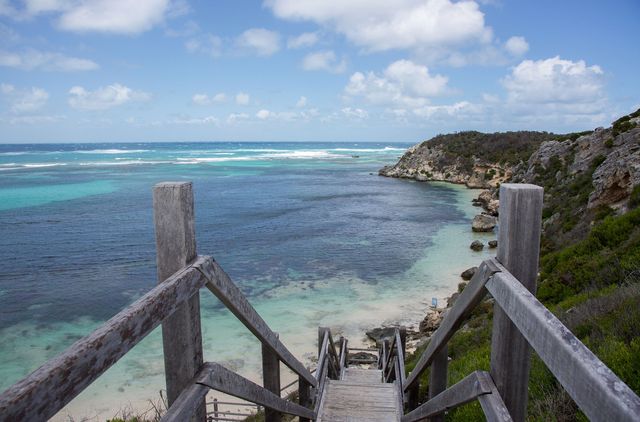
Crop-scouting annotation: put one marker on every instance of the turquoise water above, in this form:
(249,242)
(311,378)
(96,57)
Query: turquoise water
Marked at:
(308,231)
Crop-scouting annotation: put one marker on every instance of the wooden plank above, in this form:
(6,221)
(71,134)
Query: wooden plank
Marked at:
(518,250)
(322,379)
(186,404)
(219,378)
(438,377)
(401,353)
(173,216)
(599,393)
(492,405)
(344,352)
(468,389)
(304,396)
(49,388)
(219,283)
(468,299)
(271,380)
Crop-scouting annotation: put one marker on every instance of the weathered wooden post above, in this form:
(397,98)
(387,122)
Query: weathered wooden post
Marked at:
(176,247)
(518,251)
(271,380)
(304,395)
(438,377)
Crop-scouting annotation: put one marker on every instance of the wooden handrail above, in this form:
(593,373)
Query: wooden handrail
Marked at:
(599,393)
(344,351)
(472,387)
(468,299)
(49,388)
(219,283)
(219,378)
(401,371)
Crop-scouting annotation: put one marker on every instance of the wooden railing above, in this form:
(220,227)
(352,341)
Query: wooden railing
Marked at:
(175,303)
(330,364)
(520,321)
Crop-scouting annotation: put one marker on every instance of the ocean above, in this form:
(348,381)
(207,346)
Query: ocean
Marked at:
(309,231)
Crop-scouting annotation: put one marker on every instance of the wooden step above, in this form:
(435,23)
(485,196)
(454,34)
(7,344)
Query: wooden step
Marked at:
(372,376)
(352,401)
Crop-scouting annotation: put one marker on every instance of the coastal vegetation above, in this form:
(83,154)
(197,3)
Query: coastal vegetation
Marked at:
(589,268)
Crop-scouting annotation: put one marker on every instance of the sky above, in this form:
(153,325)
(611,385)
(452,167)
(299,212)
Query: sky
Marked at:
(309,70)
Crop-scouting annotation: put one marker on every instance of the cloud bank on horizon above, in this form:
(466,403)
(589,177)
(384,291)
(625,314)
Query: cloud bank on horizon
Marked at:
(161,70)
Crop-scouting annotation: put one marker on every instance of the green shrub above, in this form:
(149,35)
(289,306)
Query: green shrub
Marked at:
(634,198)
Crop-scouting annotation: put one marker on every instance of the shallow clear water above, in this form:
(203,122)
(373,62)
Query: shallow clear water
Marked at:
(308,231)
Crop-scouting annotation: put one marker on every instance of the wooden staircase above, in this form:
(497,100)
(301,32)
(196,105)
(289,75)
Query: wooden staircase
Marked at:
(360,395)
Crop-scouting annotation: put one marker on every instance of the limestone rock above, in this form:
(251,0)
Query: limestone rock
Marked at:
(477,245)
(483,223)
(431,322)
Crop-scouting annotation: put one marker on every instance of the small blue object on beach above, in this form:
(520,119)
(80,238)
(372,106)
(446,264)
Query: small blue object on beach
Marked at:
(434,302)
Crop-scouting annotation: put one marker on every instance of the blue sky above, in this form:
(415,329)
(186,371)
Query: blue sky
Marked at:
(307,70)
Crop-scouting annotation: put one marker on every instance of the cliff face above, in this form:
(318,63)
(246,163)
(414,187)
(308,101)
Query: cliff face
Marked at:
(478,160)
(586,176)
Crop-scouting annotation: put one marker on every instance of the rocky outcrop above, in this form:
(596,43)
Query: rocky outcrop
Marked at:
(483,223)
(585,175)
(614,179)
(475,159)
(493,244)
(431,322)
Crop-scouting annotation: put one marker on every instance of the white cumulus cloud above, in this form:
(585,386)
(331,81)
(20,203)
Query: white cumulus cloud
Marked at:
(204,99)
(402,84)
(24,101)
(324,60)
(104,97)
(516,46)
(378,25)
(260,41)
(32,59)
(355,113)
(554,80)
(242,98)
(304,40)
(109,16)
(263,114)
(302,101)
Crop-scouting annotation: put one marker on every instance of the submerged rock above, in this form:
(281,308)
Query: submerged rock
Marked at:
(493,244)
(468,273)
(483,223)
(477,245)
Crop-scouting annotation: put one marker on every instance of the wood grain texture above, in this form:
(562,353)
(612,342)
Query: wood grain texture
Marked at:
(219,283)
(492,405)
(49,388)
(468,389)
(599,393)
(219,378)
(518,250)
(359,401)
(472,294)
(174,221)
(438,377)
(186,403)
(271,380)
(304,396)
